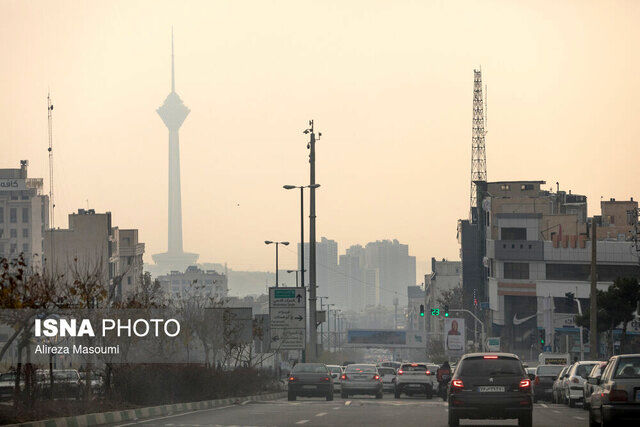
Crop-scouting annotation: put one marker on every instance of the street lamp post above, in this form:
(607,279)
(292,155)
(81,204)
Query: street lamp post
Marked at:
(329,326)
(301,187)
(268,242)
(297,271)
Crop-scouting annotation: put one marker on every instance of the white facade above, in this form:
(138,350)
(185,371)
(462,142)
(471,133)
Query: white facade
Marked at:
(194,282)
(445,276)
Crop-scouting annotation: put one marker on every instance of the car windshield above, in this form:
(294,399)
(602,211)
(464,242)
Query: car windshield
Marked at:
(479,366)
(583,370)
(9,376)
(314,368)
(414,367)
(549,370)
(367,369)
(628,367)
(386,371)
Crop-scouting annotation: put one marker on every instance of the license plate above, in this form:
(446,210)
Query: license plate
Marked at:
(490,388)
(308,387)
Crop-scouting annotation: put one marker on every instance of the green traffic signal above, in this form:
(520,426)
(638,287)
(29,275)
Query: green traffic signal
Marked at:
(421,310)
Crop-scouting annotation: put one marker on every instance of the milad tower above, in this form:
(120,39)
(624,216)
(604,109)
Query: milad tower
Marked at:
(173,112)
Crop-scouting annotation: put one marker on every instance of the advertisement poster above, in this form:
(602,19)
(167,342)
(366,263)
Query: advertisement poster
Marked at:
(454,339)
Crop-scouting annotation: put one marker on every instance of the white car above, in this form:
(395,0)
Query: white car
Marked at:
(557,385)
(573,384)
(388,376)
(336,374)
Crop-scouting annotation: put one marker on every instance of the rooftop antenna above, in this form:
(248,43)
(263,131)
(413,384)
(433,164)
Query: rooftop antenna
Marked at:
(478,153)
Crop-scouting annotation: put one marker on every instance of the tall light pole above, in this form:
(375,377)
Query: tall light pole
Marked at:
(268,242)
(313,336)
(328,317)
(297,271)
(301,187)
(593,293)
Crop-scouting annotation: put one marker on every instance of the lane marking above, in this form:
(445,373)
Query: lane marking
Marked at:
(321,414)
(544,405)
(347,403)
(302,421)
(579,418)
(336,407)
(174,415)
(557,412)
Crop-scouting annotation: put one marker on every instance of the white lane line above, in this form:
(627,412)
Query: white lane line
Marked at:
(321,414)
(336,407)
(174,415)
(302,421)
(557,412)
(347,403)
(579,418)
(544,405)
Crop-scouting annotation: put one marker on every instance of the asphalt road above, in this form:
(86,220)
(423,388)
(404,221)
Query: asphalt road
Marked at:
(352,412)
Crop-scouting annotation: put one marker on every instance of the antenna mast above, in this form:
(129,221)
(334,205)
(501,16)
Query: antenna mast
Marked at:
(478,153)
(52,205)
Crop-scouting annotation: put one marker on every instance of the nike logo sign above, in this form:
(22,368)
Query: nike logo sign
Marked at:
(517,321)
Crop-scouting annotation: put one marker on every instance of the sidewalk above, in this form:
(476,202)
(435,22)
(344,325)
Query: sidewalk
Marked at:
(134,414)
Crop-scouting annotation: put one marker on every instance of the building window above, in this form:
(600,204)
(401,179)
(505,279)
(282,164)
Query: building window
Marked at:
(525,187)
(13,233)
(1,215)
(505,187)
(25,232)
(513,233)
(24,195)
(129,280)
(25,215)
(516,270)
(14,248)
(25,247)
(14,196)
(13,215)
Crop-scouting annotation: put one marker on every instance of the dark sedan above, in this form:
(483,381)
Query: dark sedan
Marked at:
(310,380)
(543,381)
(490,385)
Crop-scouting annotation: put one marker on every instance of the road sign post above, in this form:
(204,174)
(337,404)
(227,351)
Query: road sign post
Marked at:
(288,318)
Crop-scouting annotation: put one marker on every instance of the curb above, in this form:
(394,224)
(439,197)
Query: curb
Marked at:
(134,414)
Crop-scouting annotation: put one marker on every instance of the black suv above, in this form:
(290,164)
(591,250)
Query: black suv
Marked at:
(490,386)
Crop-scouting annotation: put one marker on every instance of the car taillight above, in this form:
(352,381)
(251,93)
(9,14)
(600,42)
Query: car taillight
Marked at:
(292,378)
(428,372)
(325,379)
(376,377)
(343,377)
(537,380)
(457,384)
(618,396)
(490,357)
(575,380)
(400,372)
(524,384)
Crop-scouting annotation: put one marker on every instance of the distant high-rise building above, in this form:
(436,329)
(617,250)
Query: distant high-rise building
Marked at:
(24,215)
(326,269)
(396,268)
(173,113)
(194,282)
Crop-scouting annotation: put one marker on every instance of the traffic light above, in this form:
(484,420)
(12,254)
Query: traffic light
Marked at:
(446,311)
(421,310)
(542,336)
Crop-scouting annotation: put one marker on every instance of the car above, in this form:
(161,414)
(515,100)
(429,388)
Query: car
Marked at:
(616,395)
(388,376)
(96,382)
(310,380)
(66,383)
(336,374)
(8,383)
(574,381)
(556,390)
(490,386)
(587,387)
(361,379)
(415,378)
(545,375)
(531,373)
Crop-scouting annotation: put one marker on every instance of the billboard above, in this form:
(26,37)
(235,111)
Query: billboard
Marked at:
(454,339)
(380,337)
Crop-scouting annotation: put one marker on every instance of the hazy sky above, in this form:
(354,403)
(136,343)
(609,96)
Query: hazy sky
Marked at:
(389,84)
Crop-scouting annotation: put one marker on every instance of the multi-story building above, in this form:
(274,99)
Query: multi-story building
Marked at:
(415,299)
(327,276)
(92,249)
(445,276)
(194,282)
(24,215)
(396,268)
(538,249)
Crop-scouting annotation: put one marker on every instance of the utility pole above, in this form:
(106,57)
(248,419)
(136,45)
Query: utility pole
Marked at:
(313,333)
(322,324)
(593,308)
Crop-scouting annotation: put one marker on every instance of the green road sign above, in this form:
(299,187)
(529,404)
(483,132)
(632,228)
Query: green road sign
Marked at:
(284,293)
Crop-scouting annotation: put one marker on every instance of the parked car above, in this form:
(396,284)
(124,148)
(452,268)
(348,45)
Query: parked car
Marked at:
(490,386)
(7,384)
(66,383)
(96,382)
(336,375)
(388,376)
(616,395)
(310,379)
(587,387)
(361,379)
(573,383)
(557,385)
(545,375)
(415,378)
